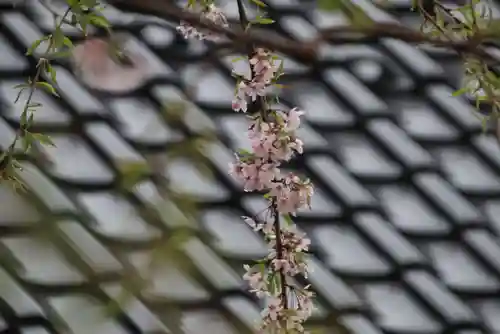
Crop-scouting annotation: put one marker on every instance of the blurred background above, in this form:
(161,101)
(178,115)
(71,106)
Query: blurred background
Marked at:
(131,224)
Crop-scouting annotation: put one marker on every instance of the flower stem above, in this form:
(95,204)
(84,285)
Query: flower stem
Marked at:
(279,253)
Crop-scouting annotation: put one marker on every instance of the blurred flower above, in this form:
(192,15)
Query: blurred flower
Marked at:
(210,14)
(97,66)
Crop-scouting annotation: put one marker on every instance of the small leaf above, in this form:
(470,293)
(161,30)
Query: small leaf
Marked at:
(259,3)
(48,87)
(68,42)
(238,59)
(27,141)
(57,38)
(49,69)
(34,46)
(288,219)
(264,20)
(43,139)
(330,5)
(99,21)
(459,92)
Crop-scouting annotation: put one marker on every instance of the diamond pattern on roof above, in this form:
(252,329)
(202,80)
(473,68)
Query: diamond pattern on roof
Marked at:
(406,238)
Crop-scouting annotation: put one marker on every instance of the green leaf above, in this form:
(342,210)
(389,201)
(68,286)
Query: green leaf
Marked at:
(330,5)
(264,20)
(50,70)
(43,139)
(238,59)
(459,92)
(68,42)
(35,45)
(288,219)
(259,3)
(48,87)
(57,38)
(99,21)
(27,141)
(88,3)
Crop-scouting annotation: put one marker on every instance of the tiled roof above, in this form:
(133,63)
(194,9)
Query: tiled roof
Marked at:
(404,223)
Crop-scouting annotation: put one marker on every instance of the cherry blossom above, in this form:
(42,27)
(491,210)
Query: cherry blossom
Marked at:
(211,14)
(273,139)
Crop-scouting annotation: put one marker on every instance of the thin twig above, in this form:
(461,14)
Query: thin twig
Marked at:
(32,88)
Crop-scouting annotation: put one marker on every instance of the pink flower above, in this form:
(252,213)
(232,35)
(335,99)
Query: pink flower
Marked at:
(293,119)
(273,309)
(211,14)
(255,279)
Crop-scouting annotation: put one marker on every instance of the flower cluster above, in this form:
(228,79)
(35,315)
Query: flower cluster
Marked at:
(210,14)
(264,68)
(274,141)
(288,305)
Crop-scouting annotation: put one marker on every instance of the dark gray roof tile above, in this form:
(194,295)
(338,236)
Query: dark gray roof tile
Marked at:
(45,189)
(459,269)
(488,309)
(331,288)
(441,193)
(73,161)
(168,280)
(359,325)
(338,180)
(410,213)
(158,36)
(212,89)
(413,59)
(50,113)
(24,30)
(423,123)
(457,109)
(467,172)
(485,245)
(326,19)
(450,307)
(243,309)
(354,92)
(220,274)
(13,293)
(404,149)
(96,256)
(114,217)
(298,28)
(113,145)
(386,238)
(79,98)
(187,178)
(10,58)
(197,321)
(141,316)
(232,238)
(140,122)
(69,309)
(42,262)
(349,254)
(396,311)
(363,159)
(348,52)
(20,211)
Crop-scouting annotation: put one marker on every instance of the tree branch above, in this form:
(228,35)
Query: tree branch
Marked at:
(303,51)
